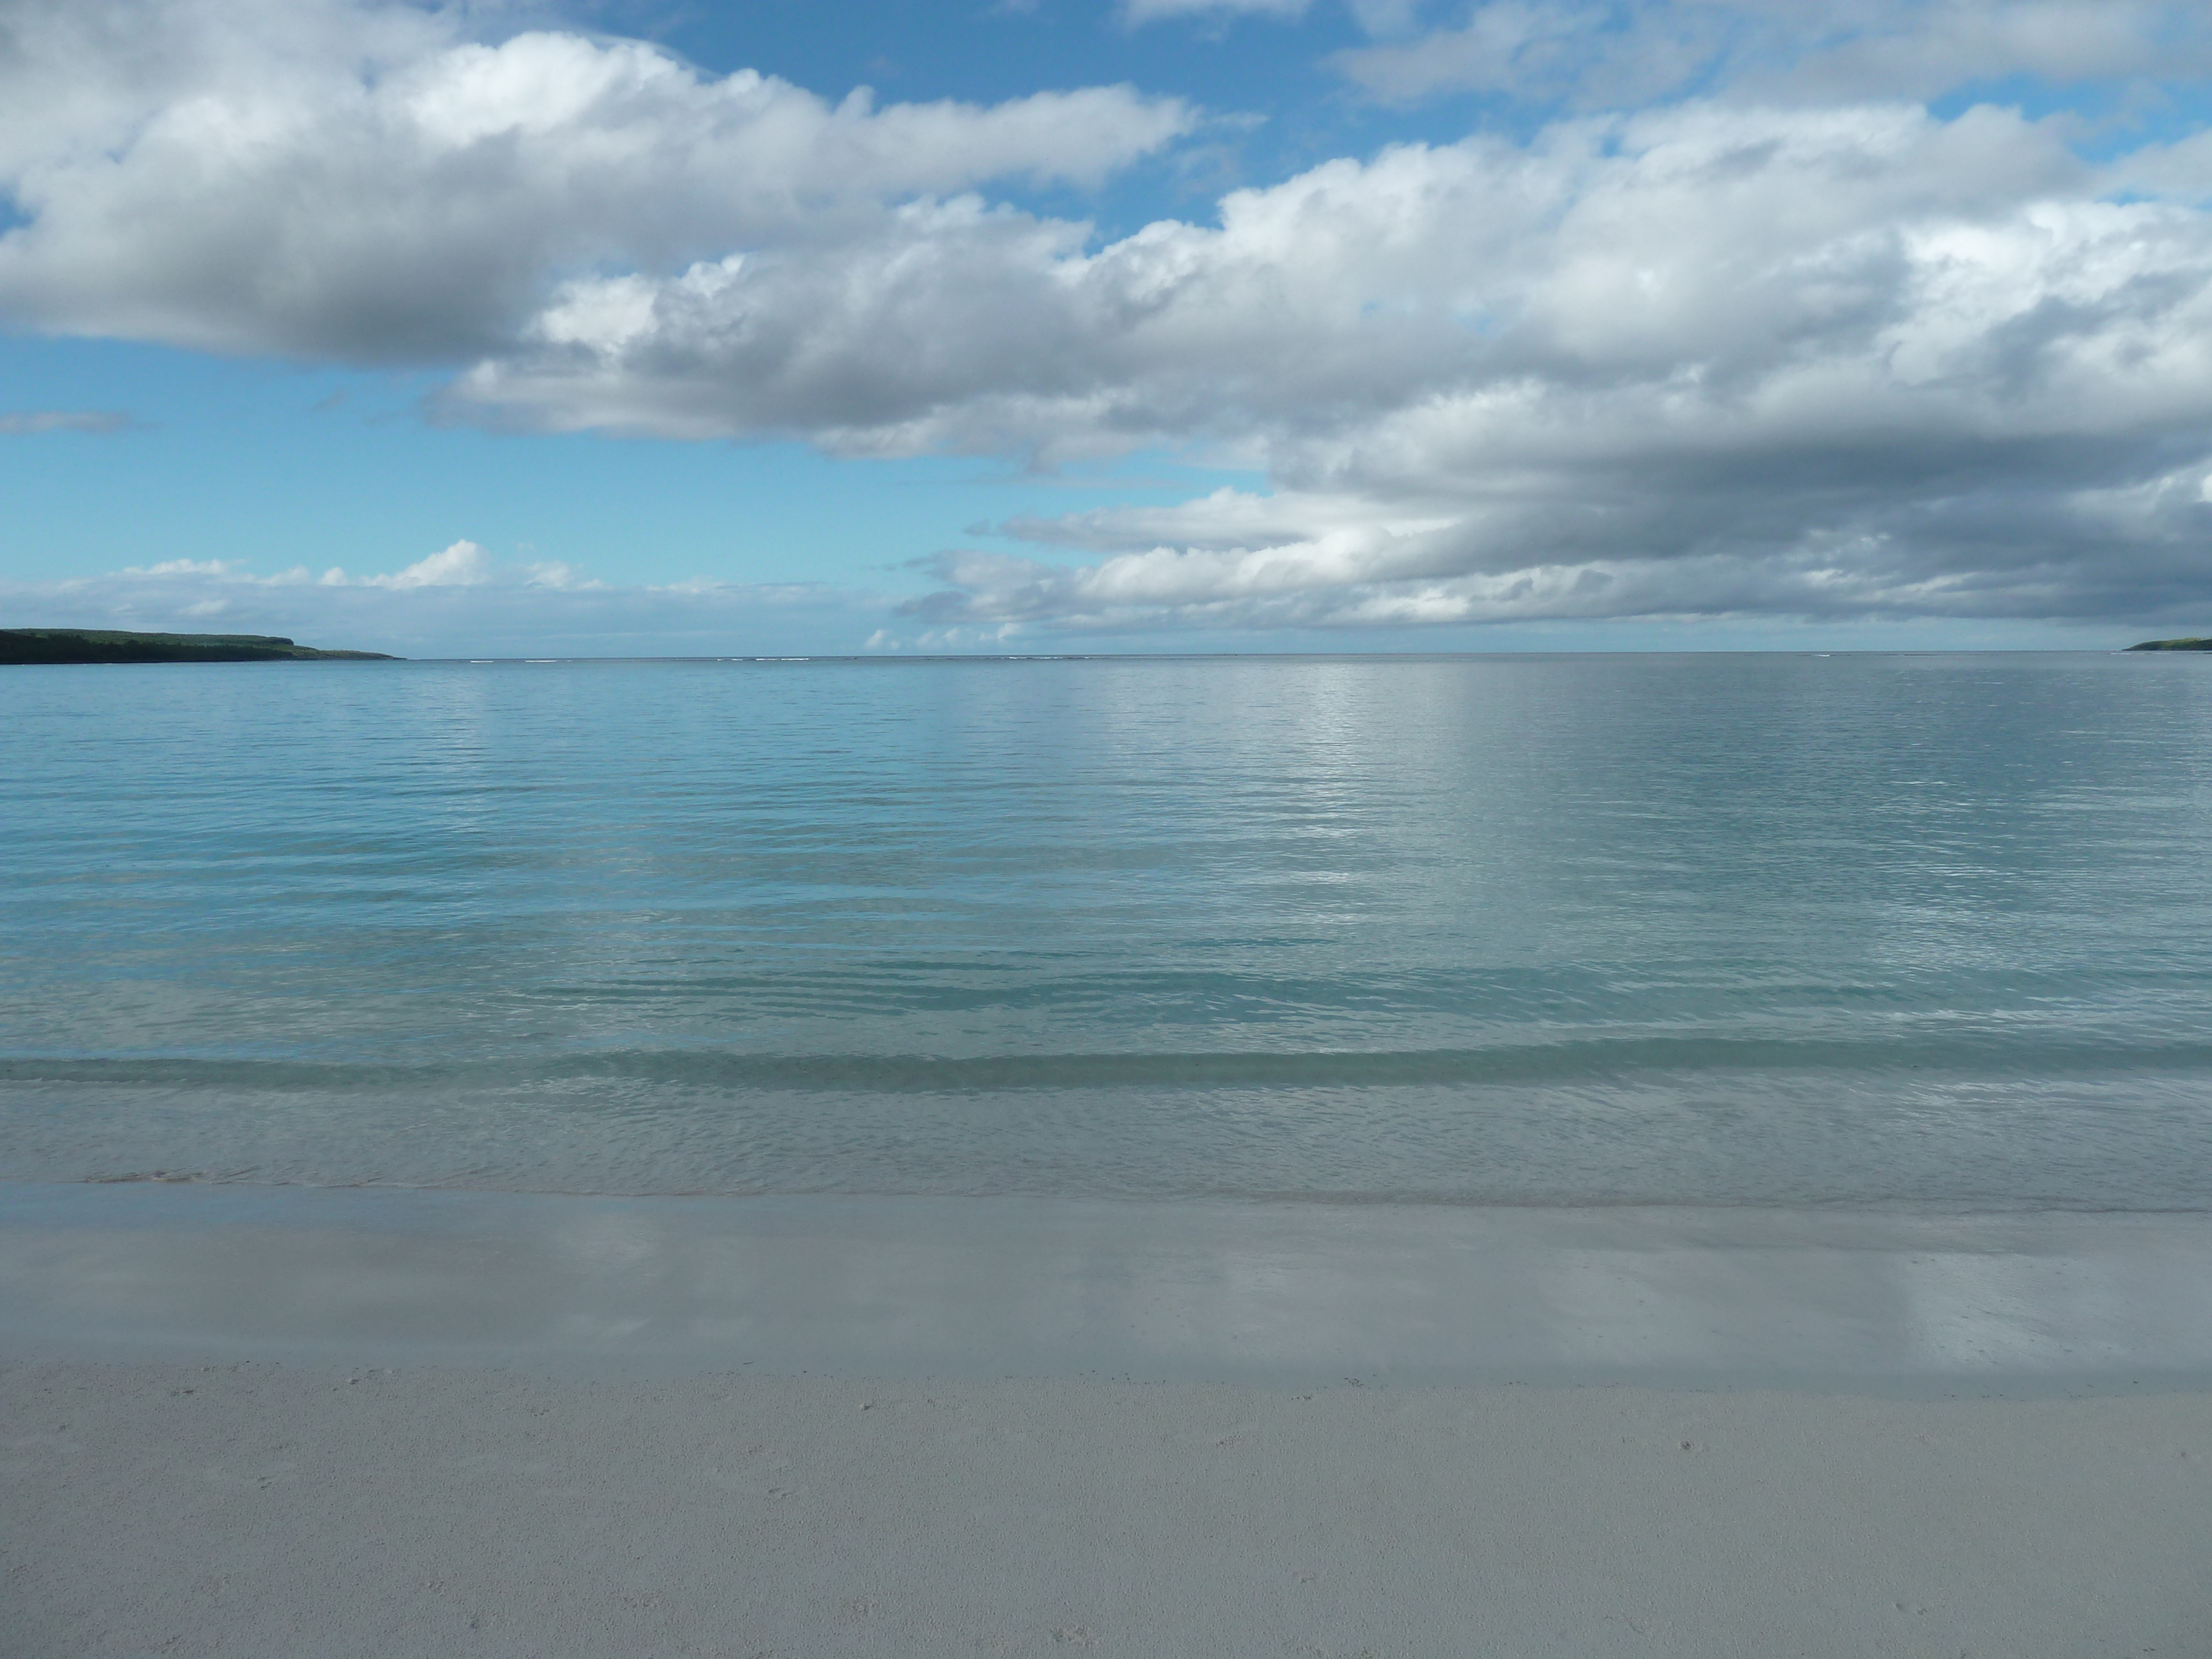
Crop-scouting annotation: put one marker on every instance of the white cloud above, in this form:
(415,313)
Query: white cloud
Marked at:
(458,602)
(1383,18)
(334,179)
(1804,356)
(221,568)
(1693,256)
(1612,53)
(1153,11)
(464,564)
(1830,360)
(19,424)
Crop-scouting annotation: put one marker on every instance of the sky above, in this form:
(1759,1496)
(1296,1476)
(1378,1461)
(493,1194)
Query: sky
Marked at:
(644,327)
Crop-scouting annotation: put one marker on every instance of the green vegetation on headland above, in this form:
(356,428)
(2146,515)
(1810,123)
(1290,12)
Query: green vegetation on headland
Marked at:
(23,645)
(2173,645)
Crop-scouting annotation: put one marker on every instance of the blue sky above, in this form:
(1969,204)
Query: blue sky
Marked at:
(633,326)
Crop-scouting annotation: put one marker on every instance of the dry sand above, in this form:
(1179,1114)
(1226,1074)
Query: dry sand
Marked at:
(296,1512)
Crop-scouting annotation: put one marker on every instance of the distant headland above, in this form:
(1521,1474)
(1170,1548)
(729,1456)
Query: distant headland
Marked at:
(2173,645)
(27,645)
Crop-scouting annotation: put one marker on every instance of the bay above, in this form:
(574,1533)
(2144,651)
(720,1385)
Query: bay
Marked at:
(1912,930)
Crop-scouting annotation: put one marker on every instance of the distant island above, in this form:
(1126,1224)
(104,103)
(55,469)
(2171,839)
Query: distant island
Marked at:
(2173,645)
(25,645)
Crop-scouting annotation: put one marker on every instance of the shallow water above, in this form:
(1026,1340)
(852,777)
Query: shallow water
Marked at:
(1765,930)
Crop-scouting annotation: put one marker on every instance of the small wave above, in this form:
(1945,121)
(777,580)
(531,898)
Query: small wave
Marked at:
(1582,1060)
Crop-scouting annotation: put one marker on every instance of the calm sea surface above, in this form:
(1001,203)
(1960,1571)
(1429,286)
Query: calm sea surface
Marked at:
(1922,930)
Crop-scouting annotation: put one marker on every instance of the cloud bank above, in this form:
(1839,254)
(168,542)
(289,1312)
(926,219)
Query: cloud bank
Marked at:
(1794,347)
(461,601)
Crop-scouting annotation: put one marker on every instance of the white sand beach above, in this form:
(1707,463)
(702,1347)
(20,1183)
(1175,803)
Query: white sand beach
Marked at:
(246,1422)
(287,1512)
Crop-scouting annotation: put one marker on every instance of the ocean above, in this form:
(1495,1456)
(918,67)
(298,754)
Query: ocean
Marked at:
(1924,932)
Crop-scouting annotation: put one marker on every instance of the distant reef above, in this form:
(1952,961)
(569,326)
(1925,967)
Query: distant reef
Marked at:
(21,645)
(2173,645)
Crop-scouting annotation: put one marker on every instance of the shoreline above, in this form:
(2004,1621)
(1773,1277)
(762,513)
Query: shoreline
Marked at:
(2011,1303)
(342,1423)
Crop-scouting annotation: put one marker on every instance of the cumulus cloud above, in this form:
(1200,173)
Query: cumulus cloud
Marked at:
(355,181)
(1821,354)
(462,564)
(1835,360)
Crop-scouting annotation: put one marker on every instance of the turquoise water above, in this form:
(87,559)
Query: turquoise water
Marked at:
(1858,929)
